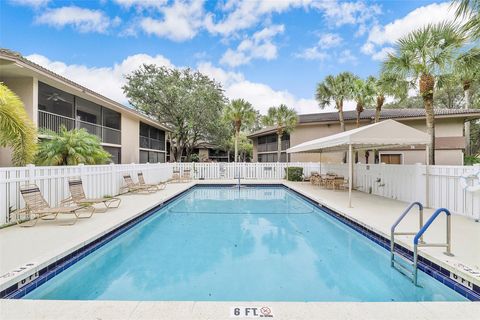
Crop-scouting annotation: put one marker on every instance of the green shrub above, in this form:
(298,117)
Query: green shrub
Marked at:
(294,173)
(471,160)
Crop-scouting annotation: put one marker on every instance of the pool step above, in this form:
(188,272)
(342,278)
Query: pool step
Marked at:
(403,265)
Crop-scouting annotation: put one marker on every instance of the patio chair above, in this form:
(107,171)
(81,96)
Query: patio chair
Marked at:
(37,207)
(186,177)
(135,187)
(175,176)
(141,181)
(340,183)
(77,196)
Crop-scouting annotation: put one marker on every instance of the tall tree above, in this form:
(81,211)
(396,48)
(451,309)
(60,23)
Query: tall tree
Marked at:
(423,55)
(240,113)
(364,96)
(186,101)
(469,10)
(284,119)
(17,131)
(70,147)
(338,89)
(387,86)
(467,71)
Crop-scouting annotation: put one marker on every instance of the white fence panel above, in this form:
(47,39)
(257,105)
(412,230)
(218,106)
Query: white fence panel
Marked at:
(400,182)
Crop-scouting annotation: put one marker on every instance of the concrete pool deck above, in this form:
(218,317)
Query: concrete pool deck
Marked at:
(48,242)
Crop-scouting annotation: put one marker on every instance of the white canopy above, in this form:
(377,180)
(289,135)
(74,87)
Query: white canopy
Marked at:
(380,135)
(385,134)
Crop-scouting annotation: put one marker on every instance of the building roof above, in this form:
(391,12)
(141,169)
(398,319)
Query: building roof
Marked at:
(369,114)
(22,61)
(384,134)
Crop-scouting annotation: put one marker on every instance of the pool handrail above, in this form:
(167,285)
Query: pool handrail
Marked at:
(397,222)
(420,233)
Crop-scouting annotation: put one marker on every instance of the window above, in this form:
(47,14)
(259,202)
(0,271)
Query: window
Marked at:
(151,137)
(88,111)
(55,101)
(391,158)
(111,119)
(151,156)
(115,152)
(267,157)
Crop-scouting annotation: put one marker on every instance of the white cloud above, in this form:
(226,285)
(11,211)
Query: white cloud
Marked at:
(141,4)
(105,80)
(259,46)
(109,81)
(346,56)
(260,95)
(240,15)
(30,3)
(355,12)
(381,35)
(181,21)
(382,54)
(82,19)
(320,50)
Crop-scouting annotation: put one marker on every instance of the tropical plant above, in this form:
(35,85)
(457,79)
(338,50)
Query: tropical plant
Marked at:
(364,95)
(387,85)
(424,55)
(335,88)
(239,113)
(17,131)
(70,147)
(469,10)
(284,119)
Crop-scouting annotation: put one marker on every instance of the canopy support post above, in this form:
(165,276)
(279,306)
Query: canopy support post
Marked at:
(427,176)
(350,175)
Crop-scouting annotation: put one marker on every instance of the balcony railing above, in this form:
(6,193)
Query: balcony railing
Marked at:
(54,122)
(149,143)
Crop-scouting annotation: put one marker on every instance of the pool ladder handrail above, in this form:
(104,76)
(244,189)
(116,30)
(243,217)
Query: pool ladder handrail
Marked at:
(418,243)
(418,240)
(401,268)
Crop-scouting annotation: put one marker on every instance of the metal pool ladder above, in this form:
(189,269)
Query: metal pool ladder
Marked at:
(403,265)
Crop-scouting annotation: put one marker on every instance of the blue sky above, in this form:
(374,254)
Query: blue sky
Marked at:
(266,51)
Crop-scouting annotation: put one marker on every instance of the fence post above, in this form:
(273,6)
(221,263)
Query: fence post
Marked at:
(31,173)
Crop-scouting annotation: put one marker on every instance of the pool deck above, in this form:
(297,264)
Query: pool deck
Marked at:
(48,242)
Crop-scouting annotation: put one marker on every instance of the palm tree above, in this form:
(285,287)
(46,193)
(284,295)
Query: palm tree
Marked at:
(335,88)
(466,69)
(70,147)
(469,9)
(239,112)
(17,131)
(364,95)
(284,119)
(387,85)
(423,55)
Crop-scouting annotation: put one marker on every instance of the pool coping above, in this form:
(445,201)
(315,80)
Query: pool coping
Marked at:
(23,283)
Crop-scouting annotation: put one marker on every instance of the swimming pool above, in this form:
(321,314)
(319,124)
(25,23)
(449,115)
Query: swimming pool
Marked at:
(248,244)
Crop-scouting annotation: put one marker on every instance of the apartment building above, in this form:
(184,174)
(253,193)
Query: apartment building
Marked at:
(449,142)
(53,101)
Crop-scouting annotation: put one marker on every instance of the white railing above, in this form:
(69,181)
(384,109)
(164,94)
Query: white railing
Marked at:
(242,170)
(400,182)
(409,182)
(54,122)
(98,181)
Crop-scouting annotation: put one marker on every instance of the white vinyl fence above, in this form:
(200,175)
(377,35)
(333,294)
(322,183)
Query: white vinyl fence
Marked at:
(400,182)
(98,181)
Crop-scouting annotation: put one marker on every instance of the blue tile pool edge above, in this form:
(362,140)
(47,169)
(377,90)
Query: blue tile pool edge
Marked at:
(48,272)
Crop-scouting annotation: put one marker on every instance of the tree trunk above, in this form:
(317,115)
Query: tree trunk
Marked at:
(378,111)
(279,146)
(427,85)
(237,134)
(342,124)
(466,90)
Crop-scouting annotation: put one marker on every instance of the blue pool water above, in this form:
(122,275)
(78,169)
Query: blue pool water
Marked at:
(259,243)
